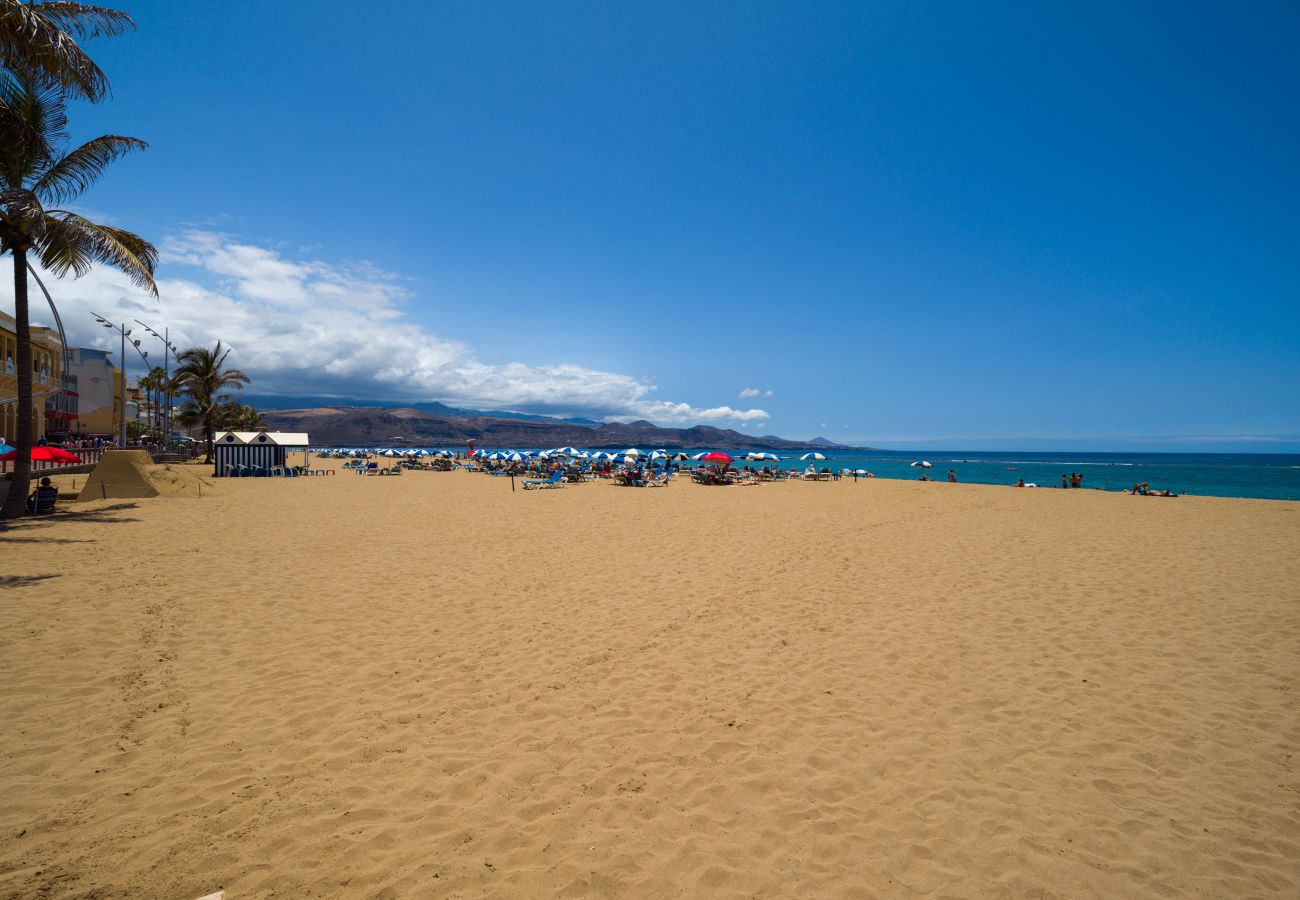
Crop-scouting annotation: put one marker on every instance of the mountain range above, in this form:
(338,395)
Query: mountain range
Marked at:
(427,425)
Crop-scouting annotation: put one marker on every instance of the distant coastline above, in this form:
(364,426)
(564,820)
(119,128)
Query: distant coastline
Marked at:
(372,426)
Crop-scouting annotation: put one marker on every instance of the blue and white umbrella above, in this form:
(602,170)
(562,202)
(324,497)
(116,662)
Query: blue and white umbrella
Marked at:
(699,456)
(922,464)
(567,451)
(812,456)
(631,451)
(499,454)
(757,457)
(516,457)
(445,454)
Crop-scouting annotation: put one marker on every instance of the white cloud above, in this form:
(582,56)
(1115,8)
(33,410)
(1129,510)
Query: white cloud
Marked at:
(754,392)
(308,327)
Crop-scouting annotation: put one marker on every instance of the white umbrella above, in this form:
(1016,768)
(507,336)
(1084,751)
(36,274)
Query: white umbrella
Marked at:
(922,465)
(699,456)
(631,451)
(756,457)
(812,456)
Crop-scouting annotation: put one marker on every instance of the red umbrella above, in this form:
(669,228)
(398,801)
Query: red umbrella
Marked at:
(716,457)
(46,454)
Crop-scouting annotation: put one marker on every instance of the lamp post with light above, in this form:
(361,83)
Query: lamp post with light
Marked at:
(169,351)
(123,331)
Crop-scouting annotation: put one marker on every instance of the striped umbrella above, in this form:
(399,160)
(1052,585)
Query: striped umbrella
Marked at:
(755,457)
(631,451)
(812,456)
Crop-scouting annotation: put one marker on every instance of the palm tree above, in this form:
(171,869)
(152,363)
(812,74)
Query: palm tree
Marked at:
(200,375)
(41,38)
(152,385)
(32,176)
(238,417)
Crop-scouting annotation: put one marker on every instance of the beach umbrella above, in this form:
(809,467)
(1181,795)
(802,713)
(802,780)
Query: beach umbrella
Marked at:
(567,451)
(812,456)
(716,457)
(699,456)
(679,456)
(922,465)
(517,457)
(756,457)
(658,454)
(445,454)
(43,454)
(5,448)
(631,451)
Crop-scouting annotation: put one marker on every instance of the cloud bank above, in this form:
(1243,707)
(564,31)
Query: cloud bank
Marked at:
(309,327)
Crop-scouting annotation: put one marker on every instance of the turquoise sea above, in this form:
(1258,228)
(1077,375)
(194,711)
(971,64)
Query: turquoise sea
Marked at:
(1260,475)
(1271,476)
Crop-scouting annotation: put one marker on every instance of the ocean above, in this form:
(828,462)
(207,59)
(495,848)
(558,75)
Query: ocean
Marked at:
(1267,476)
(1270,476)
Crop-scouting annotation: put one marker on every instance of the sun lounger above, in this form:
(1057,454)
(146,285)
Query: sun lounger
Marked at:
(556,479)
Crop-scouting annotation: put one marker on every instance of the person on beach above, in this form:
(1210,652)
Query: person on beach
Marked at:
(1076,480)
(1064,481)
(1020,483)
(952,477)
(44,495)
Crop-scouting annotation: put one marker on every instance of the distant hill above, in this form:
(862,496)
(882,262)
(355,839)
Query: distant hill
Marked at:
(346,426)
(272,402)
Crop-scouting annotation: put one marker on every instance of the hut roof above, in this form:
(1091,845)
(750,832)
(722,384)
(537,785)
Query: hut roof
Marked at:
(277,438)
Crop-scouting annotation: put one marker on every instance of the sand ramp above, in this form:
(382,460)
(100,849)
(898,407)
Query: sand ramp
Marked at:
(131,474)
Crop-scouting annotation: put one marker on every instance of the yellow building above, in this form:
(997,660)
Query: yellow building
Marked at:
(50,400)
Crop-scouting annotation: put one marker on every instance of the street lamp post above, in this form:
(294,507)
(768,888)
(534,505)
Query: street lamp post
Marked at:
(165,337)
(123,331)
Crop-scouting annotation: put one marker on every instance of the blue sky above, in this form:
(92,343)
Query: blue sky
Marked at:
(941,224)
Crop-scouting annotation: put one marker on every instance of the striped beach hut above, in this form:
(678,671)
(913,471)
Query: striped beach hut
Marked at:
(256,450)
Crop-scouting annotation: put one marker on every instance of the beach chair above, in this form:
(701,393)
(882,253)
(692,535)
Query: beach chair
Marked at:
(659,478)
(556,480)
(42,501)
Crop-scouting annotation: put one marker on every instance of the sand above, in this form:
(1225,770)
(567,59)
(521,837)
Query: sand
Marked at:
(429,686)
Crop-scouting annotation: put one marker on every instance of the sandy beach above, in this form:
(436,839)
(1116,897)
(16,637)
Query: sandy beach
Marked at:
(429,686)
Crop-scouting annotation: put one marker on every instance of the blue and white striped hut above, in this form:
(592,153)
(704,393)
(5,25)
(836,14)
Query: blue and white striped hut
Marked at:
(259,451)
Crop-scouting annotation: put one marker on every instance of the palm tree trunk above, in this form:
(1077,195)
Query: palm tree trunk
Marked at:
(16,503)
(207,430)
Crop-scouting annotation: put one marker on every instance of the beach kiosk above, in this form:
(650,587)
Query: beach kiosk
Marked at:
(254,452)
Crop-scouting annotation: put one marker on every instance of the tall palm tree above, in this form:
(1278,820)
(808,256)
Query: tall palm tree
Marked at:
(201,376)
(34,175)
(152,385)
(239,417)
(41,38)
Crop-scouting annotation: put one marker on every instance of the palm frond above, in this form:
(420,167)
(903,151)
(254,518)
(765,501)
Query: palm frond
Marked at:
(21,210)
(70,242)
(72,174)
(17,137)
(41,37)
(33,127)
(86,21)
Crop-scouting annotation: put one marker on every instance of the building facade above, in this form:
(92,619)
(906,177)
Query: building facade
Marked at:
(97,392)
(53,410)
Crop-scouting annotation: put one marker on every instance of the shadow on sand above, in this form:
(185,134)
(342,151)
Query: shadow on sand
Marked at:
(17,581)
(104,515)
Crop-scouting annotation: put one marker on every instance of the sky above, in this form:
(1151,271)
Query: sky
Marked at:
(976,226)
